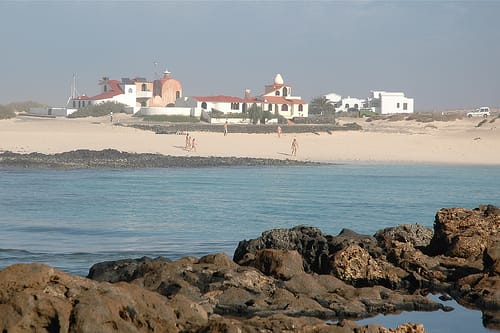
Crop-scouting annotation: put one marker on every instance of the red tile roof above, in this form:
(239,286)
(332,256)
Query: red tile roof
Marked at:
(114,90)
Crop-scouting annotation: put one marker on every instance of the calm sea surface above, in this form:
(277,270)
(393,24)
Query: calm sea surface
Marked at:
(72,219)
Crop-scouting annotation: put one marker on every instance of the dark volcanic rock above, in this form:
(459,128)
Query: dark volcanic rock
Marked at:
(287,279)
(415,234)
(242,128)
(460,258)
(110,158)
(310,242)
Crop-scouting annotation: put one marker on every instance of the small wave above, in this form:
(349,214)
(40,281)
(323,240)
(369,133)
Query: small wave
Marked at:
(15,251)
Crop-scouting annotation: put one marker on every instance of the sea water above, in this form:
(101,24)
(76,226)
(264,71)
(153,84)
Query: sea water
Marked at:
(72,219)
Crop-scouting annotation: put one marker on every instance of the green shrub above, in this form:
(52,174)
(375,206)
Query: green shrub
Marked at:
(99,110)
(6,112)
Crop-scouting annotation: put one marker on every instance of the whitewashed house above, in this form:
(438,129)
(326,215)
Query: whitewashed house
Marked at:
(384,102)
(381,102)
(278,99)
(151,97)
(350,103)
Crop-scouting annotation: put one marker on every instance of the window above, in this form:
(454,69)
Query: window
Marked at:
(277,93)
(235,106)
(397,105)
(204,105)
(347,106)
(74,104)
(301,107)
(130,90)
(269,107)
(177,94)
(284,107)
(285,92)
(144,87)
(105,88)
(356,106)
(405,106)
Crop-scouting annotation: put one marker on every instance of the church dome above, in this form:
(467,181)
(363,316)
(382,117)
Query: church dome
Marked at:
(278,79)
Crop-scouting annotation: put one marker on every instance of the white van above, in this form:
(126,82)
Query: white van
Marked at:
(481,112)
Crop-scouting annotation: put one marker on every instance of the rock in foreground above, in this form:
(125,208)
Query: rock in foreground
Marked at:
(287,280)
(38,298)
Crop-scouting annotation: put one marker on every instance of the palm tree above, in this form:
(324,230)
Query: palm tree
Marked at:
(322,105)
(255,113)
(104,82)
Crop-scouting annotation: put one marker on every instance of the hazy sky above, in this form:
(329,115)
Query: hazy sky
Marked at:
(445,54)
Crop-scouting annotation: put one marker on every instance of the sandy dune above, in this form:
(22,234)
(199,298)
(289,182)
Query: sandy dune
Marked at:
(381,141)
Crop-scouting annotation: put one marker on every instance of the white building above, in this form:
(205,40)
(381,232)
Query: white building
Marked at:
(350,103)
(136,93)
(278,99)
(381,102)
(384,102)
(111,91)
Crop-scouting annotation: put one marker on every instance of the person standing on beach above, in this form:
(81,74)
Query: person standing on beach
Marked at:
(111,116)
(225,128)
(186,147)
(279,131)
(295,146)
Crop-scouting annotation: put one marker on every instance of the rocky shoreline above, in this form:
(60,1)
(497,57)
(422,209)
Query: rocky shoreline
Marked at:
(111,158)
(176,128)
(287,280)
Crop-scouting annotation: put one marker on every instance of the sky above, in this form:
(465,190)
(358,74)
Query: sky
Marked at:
(444,54)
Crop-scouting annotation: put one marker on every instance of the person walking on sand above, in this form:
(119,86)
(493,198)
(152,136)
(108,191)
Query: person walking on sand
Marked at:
(279,131)
(193,144)
(111,116)
(225,128)
(295,146)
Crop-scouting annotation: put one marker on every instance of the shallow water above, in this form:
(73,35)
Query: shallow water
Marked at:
(72,219)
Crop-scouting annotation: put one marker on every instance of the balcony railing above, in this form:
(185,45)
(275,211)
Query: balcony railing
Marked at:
(144,94)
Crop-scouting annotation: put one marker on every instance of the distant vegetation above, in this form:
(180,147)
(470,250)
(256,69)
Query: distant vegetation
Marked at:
(322,106)
(254,113)
(418,117)
(171,119)
(10,110)
(6,112)
(99,110)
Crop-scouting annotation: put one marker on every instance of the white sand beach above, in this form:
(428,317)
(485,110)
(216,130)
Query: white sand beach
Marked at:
(380,141)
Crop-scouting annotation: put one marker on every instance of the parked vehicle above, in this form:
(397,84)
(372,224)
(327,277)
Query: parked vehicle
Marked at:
(481,112)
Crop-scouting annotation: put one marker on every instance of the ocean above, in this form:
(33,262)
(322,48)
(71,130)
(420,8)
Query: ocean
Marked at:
(72,219)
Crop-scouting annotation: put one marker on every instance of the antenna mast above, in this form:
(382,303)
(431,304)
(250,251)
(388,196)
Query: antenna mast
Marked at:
(74,92)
